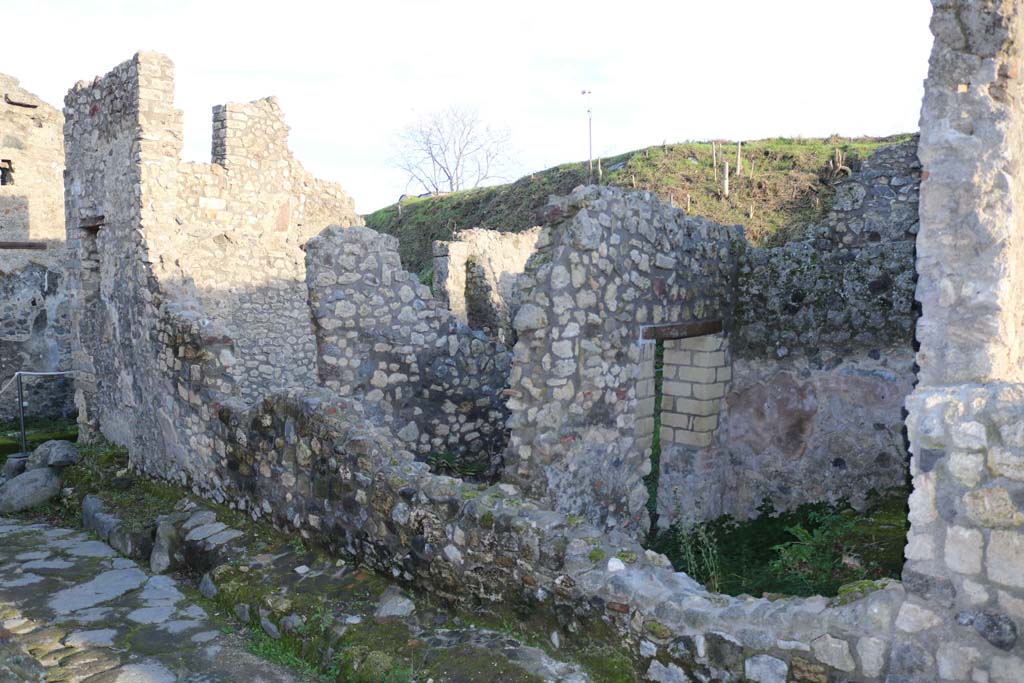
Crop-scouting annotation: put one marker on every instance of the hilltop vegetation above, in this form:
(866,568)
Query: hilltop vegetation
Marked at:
(781,188)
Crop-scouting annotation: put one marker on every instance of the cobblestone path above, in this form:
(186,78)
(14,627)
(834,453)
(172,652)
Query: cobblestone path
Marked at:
(72,610)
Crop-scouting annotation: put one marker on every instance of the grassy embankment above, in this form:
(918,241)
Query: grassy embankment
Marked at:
(781,189)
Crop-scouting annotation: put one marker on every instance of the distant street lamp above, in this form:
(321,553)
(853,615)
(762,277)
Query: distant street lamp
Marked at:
(590,138)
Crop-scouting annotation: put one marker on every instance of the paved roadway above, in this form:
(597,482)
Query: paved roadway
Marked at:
(72,610)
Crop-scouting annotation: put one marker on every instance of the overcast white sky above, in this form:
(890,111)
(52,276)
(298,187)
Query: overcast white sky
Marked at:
(350,75)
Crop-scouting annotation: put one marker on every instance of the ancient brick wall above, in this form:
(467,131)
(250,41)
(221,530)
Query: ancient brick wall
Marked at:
(476,277)
(34,323)
(383,340)
(608,265)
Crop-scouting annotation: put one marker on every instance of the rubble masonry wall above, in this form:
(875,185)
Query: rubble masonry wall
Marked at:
(820,362)
(382,339)
(476,277)
(607,265)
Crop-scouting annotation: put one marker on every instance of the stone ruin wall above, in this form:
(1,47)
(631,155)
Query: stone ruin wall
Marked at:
(808,407)
(317,464)
(476,277)
(956,616)
(235,247)
(965,550)
(384,341)
(607,266)
(197,260)
(34,318)
(821,360)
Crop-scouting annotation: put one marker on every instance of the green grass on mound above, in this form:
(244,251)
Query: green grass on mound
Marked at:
(781,189)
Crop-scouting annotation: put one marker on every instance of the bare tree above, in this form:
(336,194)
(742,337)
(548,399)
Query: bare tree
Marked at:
(452,150)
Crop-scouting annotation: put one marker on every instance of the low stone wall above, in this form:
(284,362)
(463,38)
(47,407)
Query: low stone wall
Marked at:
(609,265)
(314,462)
(383,340)
(476,277)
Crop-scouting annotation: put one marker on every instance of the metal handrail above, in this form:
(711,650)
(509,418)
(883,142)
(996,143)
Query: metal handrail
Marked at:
(21,397)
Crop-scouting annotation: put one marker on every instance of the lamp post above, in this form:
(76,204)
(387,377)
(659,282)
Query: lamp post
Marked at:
(590,138)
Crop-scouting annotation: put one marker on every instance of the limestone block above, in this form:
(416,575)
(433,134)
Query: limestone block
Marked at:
(709,391)
(834,652)
(964,549)
(871,652)
(966,467)
(920,547)
(695,374)
(697,407)
(765,669)
(690,438)
(1005,557)
(1006,669)
(955,661)
(709,359)
(1006,463)
(913,618)
(922,501)
(992,507)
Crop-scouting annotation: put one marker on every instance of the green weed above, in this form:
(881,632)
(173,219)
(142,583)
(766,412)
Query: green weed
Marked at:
(278,652)
(700,559)
(448,463)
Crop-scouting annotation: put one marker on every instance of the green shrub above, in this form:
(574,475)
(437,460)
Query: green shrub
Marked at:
(816,554)
(813,549)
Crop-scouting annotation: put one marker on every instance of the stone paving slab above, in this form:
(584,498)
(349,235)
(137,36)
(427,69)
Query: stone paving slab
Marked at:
(72,610)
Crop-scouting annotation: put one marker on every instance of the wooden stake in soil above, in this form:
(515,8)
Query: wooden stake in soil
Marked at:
(739,159)
(725,181)
(687,202)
